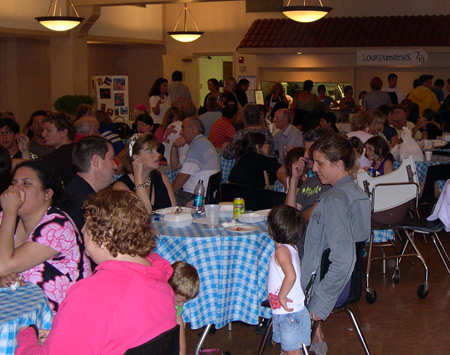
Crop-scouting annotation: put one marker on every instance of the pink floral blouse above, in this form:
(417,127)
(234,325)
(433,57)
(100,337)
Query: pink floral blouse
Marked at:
(55,275)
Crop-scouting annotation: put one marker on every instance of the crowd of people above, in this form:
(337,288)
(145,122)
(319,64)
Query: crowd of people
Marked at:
(75,197)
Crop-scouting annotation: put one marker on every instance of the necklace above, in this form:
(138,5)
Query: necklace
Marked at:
(143,185)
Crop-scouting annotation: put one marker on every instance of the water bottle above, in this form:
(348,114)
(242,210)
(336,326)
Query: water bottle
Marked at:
(199,197)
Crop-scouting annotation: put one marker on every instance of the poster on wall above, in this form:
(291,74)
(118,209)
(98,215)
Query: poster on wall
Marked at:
(111,95)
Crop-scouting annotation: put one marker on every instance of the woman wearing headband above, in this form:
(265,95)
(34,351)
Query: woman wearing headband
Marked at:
(142,176)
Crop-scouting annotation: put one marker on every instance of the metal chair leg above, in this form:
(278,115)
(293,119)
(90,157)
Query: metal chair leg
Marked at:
(419,255)
(305,349)
(358,330)
(202,339)
(369,262)
(262,346)
(435,237)
(357,314)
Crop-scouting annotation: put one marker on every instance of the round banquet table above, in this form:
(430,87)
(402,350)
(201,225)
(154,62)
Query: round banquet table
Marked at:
(20,308)
(233,268)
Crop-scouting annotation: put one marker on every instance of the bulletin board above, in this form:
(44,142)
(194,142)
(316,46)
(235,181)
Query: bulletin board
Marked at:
(111,95)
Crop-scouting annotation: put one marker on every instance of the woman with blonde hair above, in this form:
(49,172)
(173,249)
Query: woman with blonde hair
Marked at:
(377,125)
(127,302)
(141,162)
(276,95)
(170,116)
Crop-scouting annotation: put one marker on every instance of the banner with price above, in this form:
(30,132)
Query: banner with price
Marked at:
(391,57)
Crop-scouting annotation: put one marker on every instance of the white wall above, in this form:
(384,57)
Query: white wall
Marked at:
(20,14)
(226,23)
(134,22)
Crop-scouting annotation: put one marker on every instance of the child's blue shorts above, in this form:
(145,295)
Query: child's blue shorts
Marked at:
(292,329)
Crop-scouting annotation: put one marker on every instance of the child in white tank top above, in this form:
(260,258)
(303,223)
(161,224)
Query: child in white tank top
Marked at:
(291,321)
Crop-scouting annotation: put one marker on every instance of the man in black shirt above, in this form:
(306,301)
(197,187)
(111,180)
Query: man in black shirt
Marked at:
(58,132)
(93,159)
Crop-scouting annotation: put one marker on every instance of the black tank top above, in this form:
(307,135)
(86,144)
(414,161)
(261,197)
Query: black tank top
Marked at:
(162,199)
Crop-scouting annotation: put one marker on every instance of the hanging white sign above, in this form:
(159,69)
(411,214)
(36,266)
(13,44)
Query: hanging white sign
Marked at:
(391,57)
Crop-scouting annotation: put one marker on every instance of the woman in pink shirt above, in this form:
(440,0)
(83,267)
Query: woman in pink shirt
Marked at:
(127,301)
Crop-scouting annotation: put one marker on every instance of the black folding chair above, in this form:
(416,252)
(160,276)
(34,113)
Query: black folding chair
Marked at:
(167,343)
(213,190)
(229,191)
(356,285)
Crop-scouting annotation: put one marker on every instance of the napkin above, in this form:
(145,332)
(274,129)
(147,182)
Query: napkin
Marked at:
(231,224)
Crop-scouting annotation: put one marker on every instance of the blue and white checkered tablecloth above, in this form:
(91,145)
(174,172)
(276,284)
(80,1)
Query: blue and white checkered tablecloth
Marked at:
(233,270)
(278,186)
(171,174)
(225,167)
(422,166)
(27,305)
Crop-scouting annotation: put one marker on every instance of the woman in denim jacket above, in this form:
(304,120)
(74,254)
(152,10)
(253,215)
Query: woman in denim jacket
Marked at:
(341,218)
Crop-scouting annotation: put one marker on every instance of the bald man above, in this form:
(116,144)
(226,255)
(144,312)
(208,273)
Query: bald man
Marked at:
(201,160)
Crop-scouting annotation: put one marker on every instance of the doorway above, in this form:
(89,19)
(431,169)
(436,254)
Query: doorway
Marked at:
(218,67)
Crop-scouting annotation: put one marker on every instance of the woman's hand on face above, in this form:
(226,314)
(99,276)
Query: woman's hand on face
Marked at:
(12,199)
(298,168)
(138,168)
(8,280)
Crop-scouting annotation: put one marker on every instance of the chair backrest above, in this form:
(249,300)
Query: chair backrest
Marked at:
(265,199)
(392,194)
(212,192)
(406,172)
(356,280)
(123,130)
(167,343)
(229,191)
(392,202)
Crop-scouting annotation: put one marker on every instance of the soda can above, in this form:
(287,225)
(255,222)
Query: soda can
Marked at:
(238,207)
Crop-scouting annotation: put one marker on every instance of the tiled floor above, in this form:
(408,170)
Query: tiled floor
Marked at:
(397,323)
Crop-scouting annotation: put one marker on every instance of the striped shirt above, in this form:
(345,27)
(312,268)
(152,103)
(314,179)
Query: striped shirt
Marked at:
(221,131)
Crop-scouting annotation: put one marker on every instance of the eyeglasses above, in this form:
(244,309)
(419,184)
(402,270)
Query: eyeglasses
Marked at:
(7,133)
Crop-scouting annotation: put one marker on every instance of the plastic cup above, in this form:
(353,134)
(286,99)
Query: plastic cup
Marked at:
(212,215)
(428,154)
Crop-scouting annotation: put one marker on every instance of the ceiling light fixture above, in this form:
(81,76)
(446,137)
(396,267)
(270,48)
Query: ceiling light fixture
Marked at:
(54,19)
(305,13)
(185,35)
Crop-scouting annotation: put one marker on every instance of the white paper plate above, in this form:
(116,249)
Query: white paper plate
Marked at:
(264,213)
(251,218)
(241,229)
(163,211)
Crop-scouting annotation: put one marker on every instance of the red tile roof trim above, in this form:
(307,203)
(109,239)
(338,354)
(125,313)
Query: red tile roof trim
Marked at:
(392,31)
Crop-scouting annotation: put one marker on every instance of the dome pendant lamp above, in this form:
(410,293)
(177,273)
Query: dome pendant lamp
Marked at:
(304,13)
(185,35)
(54,19)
